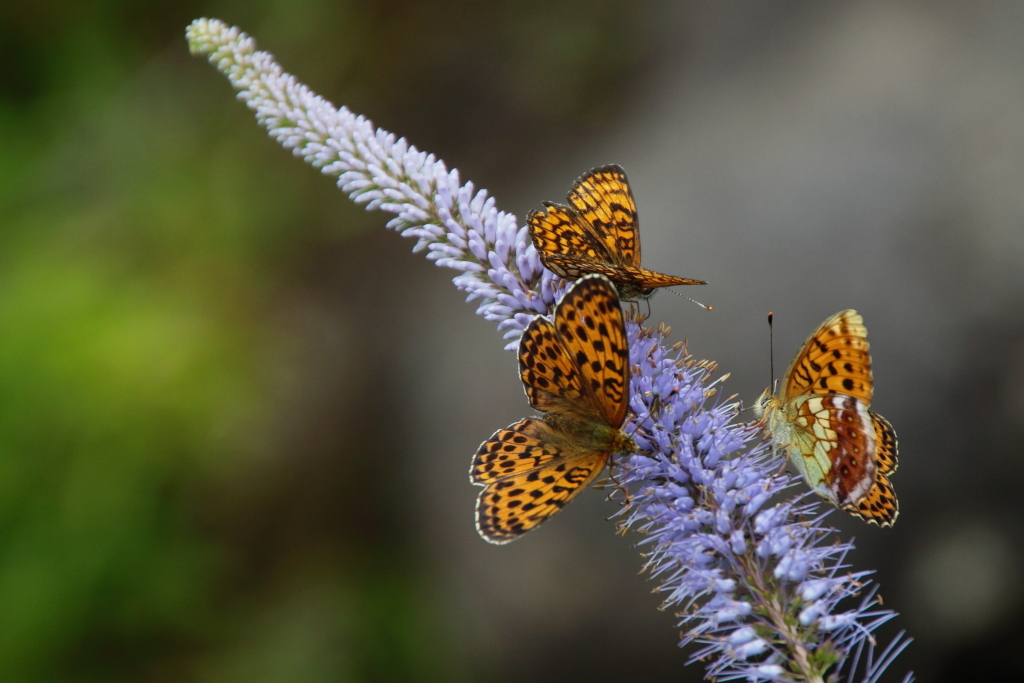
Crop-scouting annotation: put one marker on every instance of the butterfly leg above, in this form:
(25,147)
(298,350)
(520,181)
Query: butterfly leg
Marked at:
(782,468)
(627,500)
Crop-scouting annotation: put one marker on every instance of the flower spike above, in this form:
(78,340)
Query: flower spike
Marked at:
(760,588)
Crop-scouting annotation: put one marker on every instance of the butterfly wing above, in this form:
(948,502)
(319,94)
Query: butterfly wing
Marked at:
(528,445)
(578,365)
(604,202)
(574,267)
(835,359)
(885,445)
(592,333)
(575,370)
(551,377)
(832,441)
(650,279)
(597,233)
(879,506)
(565,244)
(844,450)
(531,471)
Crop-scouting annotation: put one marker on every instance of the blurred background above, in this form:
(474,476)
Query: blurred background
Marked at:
(236,413)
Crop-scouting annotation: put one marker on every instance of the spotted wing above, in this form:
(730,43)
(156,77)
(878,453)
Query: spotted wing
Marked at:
(515,504)
(885,445)
(604,202)
(565,244)
(650,279)
(574,267)
(526,446)
(835,439)
(551,377)
(592,334)
(833,360)
(879,506)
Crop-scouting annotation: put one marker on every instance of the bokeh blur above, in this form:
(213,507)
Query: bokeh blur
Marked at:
(236,413)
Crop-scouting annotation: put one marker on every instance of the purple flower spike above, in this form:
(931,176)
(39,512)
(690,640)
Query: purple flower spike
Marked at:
(757,585)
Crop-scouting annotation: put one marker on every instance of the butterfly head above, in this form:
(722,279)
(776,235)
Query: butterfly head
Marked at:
(623,444)
(765,402)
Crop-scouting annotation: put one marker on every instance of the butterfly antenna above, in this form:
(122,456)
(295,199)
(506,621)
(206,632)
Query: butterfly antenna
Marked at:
(692,301)
(771,351)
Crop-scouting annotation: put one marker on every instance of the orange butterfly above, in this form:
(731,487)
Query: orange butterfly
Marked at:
(576,371)
(844,451)
(598,233)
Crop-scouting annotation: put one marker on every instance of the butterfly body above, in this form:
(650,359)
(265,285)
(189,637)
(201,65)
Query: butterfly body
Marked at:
(584,431)
(823,424)
(575,369)
(598,232)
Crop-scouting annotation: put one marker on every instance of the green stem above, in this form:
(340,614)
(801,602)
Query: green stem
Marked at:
(800,657)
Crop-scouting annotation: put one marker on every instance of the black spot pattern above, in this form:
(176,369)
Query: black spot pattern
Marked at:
(835,364)
(576,370)
(597,232)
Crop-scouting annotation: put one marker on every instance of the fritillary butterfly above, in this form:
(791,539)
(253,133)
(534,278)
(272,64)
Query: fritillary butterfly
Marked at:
(576,371)
(822,422)
(598,233)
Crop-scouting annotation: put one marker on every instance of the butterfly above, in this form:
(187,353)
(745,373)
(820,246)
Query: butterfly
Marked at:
(598,233)
(844,451)
(575,370)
